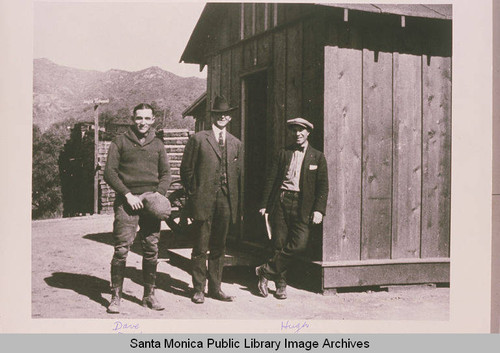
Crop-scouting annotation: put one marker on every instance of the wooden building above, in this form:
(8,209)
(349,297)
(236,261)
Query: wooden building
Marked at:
(376,83)
(197,110)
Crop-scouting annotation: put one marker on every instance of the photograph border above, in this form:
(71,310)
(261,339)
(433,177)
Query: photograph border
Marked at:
(471,215)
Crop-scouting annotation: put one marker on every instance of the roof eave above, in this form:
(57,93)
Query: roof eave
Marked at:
(189,110)
(433,11)
(195,48)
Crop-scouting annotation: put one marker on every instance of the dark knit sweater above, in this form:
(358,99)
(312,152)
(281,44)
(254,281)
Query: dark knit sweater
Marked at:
(132,167)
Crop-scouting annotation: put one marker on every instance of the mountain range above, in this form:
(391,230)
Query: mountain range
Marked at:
(59,92)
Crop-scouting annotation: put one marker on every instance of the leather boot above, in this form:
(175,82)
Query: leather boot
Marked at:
(149,300)
(117,274)
(281,292)
(149,274)
(262,285)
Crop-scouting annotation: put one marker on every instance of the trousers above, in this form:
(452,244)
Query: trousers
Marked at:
(289,237)
(125,230)
(210,236)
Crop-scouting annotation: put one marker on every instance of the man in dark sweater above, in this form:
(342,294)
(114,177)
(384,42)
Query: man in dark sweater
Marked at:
(137,163)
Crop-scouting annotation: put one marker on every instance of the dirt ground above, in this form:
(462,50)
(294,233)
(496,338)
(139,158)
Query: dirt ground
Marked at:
(70,279)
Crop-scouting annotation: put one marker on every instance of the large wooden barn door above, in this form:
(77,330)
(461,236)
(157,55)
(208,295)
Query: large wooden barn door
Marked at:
(255,142)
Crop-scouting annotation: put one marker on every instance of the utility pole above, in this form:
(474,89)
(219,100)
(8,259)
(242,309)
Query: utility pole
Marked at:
(96,102)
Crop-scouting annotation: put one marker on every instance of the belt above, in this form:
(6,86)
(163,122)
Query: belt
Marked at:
(289,194)
(289,191)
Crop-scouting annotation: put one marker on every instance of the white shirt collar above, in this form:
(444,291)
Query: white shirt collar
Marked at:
(217,132)
(305,144)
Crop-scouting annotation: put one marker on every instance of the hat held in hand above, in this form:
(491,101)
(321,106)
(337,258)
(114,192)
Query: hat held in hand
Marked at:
(156,205)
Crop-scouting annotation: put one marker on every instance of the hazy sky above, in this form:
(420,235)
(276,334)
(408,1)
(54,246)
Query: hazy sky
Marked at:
(113,35)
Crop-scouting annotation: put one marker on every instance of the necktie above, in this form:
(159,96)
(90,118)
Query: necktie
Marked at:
(221,140)
(223,161)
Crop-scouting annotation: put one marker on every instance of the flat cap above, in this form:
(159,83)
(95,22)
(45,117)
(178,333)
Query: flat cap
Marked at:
(301,122)
(157,205)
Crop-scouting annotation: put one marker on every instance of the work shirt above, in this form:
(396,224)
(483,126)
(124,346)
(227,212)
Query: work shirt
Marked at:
(292,178)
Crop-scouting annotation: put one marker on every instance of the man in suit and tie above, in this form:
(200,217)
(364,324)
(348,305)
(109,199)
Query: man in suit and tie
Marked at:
(210,171)
(294,196)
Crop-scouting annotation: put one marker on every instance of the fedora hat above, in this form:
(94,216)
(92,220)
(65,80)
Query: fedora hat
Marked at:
(220,105)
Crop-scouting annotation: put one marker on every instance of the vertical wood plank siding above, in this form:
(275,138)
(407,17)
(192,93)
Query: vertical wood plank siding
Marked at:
(223,35)
(343,132)
(405,147)
(225,76)
(436,154)
(216,76)
(377,146)
(260,18)
(213,83)
(209,93)
(312,103)
(242,21)
(236,64)
(280,17)
(279,76)
(312,76)
(380,96)
(248,20)
(294,11)
(249,55)
(407,151)
(264,50)
(234,16)
(293,72)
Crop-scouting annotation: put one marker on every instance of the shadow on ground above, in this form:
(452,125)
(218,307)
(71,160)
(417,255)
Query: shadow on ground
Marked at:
(243,276)
(93,287)
(89,286)
(163,281)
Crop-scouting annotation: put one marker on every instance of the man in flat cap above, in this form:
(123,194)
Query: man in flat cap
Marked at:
(137,168)
(294,196)
(210,172)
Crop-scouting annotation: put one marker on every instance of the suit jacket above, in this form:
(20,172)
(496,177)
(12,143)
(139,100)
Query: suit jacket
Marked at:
(313,182)
(200,175)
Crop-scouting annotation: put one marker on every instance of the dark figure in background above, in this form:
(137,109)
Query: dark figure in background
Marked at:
(210,171)
(294,196)
(137,164)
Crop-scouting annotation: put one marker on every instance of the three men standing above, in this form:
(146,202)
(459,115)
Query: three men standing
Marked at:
(137,164)
(210,171)
(295,195)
